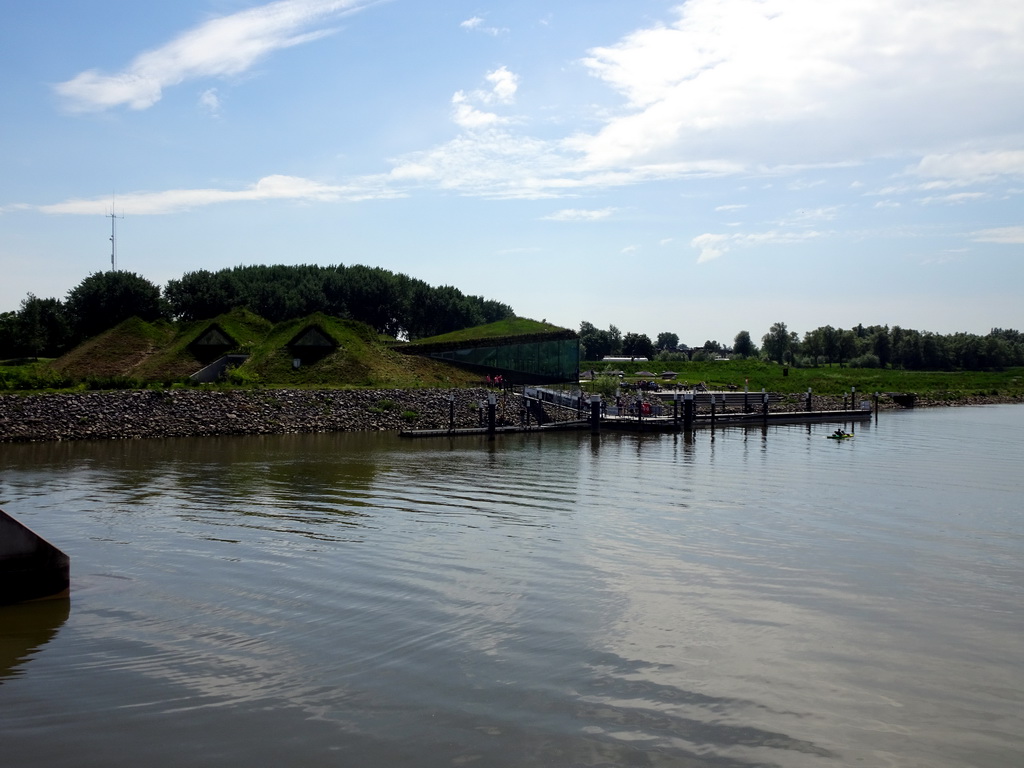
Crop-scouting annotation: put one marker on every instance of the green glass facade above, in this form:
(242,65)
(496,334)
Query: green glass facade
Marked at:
(532,361)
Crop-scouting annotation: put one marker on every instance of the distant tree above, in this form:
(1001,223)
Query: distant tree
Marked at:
(667,341)
(794,347)
(616,339)
(814,345)
(105,299)
(637,345)
(830,343)
(882,346)
(42,327)
(595,342)
(201,295)
(8,335)
(391,303)
(776,343)
(701,355)
(846,345)
(743,345)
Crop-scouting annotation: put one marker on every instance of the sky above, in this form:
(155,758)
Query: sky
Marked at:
(699,168)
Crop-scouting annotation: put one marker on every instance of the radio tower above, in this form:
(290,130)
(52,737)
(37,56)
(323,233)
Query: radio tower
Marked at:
(113,236)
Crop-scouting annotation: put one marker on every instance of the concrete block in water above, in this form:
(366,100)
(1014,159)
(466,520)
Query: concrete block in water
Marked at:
(30,567)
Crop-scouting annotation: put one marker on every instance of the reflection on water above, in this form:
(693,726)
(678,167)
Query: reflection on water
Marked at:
(25,629)
(741,597)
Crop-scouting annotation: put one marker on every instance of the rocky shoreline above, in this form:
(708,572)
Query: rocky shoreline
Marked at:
(122,415)
(133,414)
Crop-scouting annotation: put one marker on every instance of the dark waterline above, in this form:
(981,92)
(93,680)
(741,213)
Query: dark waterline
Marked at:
(743,597)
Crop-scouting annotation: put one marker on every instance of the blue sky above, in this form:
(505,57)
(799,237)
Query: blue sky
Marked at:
(702,167)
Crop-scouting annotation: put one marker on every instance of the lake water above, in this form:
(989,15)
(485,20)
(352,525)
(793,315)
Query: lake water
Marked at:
(742,597)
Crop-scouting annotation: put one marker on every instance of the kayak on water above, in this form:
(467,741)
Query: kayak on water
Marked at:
(839,435)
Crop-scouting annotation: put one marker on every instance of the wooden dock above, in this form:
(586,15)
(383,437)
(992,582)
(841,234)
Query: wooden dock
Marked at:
(658,423)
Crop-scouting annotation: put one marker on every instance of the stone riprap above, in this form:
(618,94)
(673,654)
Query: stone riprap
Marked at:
(133,414)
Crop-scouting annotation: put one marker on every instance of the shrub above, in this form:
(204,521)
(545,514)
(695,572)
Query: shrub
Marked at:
(606,386)
(242,377)
(866,361)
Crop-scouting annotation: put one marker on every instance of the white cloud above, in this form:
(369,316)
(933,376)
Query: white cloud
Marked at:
(502,91)
(805,215)
(774,82)
(732,207)
(1006,235)
(505,85)
(713,246)
(223,46)
(468,116)
(210,101)
(580,214)
(275,187)
(965,168)
(477,23)
(953,199)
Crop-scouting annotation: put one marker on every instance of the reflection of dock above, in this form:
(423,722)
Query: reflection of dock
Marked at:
(707,420)
(27,627)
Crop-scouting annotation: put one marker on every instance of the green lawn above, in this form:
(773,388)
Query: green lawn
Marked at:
(828,380)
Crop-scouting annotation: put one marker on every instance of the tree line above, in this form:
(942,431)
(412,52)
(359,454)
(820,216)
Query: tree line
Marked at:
(875,346)
(391,303)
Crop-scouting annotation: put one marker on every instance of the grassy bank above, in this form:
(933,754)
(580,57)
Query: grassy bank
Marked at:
(830,380)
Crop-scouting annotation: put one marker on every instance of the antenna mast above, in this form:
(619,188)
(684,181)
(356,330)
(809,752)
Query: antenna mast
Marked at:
(113,236)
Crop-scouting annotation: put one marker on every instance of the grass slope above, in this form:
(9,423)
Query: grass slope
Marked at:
(161,352)
(828,380)
(116,352)
(361,360)
(515,326)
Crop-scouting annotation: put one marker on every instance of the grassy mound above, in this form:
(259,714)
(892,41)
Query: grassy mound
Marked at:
(117,352)
(361,359)
(136,352)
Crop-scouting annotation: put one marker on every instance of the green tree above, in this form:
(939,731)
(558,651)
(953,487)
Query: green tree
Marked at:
(201,295)
(846,345)
(882,346)
(777,342)
(667,341)
(9,335)
(42,327)
(637,345)
(105,299)
(743,345)
(597,343)
(814,345)
(615,335)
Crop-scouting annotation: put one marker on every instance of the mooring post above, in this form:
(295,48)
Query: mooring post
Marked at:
(876,406)
(764,404)
(451,412)
(595,414)
(492,414)
(675,410)
(746,395)
(809,406)
(712,411)
(853,398)
(688,411)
